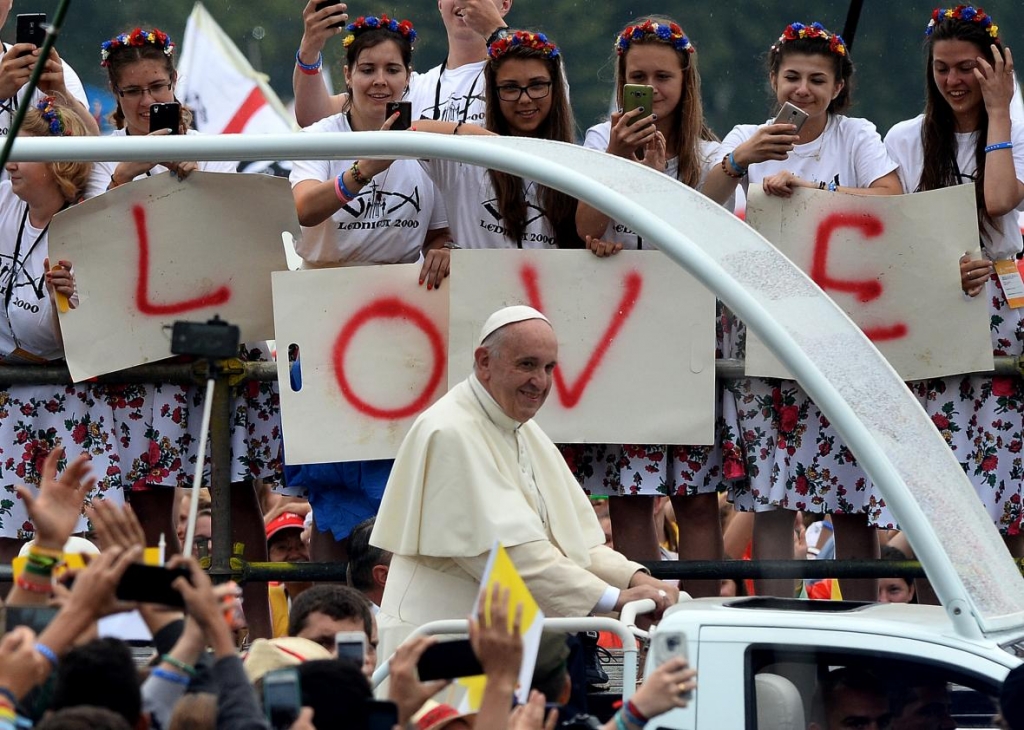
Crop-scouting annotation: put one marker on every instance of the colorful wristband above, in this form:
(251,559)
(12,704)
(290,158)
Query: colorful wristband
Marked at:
(45,552)
(33,587)
(4,692)
(310,69)
(631,709)
(730,168)
(170,676)
(344,194)
(50,654)
(999,146)
(620,722)
(358,176)
(178,664)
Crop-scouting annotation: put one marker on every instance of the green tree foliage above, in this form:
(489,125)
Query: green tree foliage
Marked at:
(731,37)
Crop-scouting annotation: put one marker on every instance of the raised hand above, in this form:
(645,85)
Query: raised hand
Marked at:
(318,26)
(57,507)
(996,80)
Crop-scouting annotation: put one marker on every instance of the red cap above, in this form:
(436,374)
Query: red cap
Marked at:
(437,717)
(285,521)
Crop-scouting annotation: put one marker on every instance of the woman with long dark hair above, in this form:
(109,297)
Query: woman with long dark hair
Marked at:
(966,134)
(795,459)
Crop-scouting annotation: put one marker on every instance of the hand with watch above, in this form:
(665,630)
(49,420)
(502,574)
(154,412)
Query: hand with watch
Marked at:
(482,16)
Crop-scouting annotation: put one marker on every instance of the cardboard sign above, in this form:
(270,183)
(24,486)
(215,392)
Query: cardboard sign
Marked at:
(636,340)
(373,350)
(891,263)
(160,250)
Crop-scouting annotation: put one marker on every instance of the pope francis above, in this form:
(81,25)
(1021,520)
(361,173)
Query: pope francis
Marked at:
(475,468)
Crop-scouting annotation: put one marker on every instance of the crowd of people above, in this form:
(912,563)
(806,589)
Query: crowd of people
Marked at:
(416,532)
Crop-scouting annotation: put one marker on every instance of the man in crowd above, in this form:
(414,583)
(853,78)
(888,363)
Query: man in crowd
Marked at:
(850,698)
(475,469)
(368,566)
(324,610)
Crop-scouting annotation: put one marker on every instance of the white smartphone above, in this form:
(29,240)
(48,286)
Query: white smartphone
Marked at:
(350,645)
(668,644)
(790,114)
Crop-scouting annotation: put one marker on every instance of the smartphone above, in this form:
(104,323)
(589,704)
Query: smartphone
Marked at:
(381,715)
(328,3)
(351,645)
(31,29)
(635,96)
(404,109)
(282,697)
(151,584)
(449,659)
(667,645)
(790,114)
(165,116)
(36,618)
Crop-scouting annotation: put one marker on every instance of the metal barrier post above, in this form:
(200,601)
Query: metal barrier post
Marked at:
(220,479)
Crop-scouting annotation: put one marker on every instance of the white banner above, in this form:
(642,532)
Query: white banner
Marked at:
(891,263)
(160,250)
(373,350)
(636,340)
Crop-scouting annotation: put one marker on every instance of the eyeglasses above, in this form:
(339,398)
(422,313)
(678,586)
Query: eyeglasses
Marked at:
(536,90)
(154,90)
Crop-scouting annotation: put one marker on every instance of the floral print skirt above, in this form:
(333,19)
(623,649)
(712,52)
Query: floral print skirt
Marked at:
(139,436)
(795,459)
(617,470)
(982,420)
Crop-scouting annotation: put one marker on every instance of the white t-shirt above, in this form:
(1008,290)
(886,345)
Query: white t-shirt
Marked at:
(26,321)
(99,179)
(387,223)
(906,147)
(849,152)
(473,213)
(597,139)
(449,94)
(7,109)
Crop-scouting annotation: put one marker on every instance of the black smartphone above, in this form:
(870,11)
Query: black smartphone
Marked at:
(165,116)
(381,715)
(36,618)
(151,584)
(449,659)
(327,3)
(31,29)
(404,109)
(282,697)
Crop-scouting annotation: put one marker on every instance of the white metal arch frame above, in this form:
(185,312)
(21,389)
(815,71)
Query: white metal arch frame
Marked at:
(851,382)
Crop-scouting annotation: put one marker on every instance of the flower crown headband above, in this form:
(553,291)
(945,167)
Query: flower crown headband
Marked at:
(796,31)
(52,117)
(966,13)
(669,33)
(523,39)
(364,23)
(136,38)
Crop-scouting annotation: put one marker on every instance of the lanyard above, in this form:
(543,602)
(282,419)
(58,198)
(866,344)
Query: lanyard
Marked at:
(17,262)
(437,93)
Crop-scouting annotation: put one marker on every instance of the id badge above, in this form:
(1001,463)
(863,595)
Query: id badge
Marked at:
(1011,281)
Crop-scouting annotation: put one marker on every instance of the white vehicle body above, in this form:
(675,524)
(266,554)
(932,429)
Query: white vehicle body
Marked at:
(728,642)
